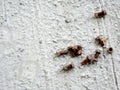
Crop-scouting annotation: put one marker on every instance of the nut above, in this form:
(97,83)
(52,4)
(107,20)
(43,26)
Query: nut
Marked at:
(110,50)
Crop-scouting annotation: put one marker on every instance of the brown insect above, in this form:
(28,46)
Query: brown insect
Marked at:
(100,14)
(75,50)
(91,59)
(68,67)
(97,53)
(86,61)
(62,52)
(101,41)
(110,50)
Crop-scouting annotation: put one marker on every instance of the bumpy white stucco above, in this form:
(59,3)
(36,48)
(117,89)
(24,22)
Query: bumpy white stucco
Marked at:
(31,31)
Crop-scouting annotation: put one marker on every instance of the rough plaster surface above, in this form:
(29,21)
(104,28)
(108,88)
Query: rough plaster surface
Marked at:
(31,31)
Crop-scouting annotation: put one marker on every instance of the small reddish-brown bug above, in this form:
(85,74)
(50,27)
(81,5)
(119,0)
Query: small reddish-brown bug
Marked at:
(97,53)
(85,61)
(100,14)
(62,52)
(92,58)
(101,40)
(68,67)
(75,50)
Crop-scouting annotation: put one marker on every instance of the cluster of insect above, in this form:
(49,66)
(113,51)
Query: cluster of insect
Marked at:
(76,50)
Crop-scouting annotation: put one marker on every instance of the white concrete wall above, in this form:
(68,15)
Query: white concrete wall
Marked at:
(31,31)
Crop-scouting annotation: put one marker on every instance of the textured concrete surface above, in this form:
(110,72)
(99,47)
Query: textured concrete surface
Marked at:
(31,31)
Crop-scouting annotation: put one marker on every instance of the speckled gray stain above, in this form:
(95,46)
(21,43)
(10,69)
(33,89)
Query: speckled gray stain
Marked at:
(31,31)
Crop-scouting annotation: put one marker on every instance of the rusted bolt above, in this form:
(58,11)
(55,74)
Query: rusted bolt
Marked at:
(75,50)
(68,67)
(101,41)
(62,52)
(110,50)
(100,14)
